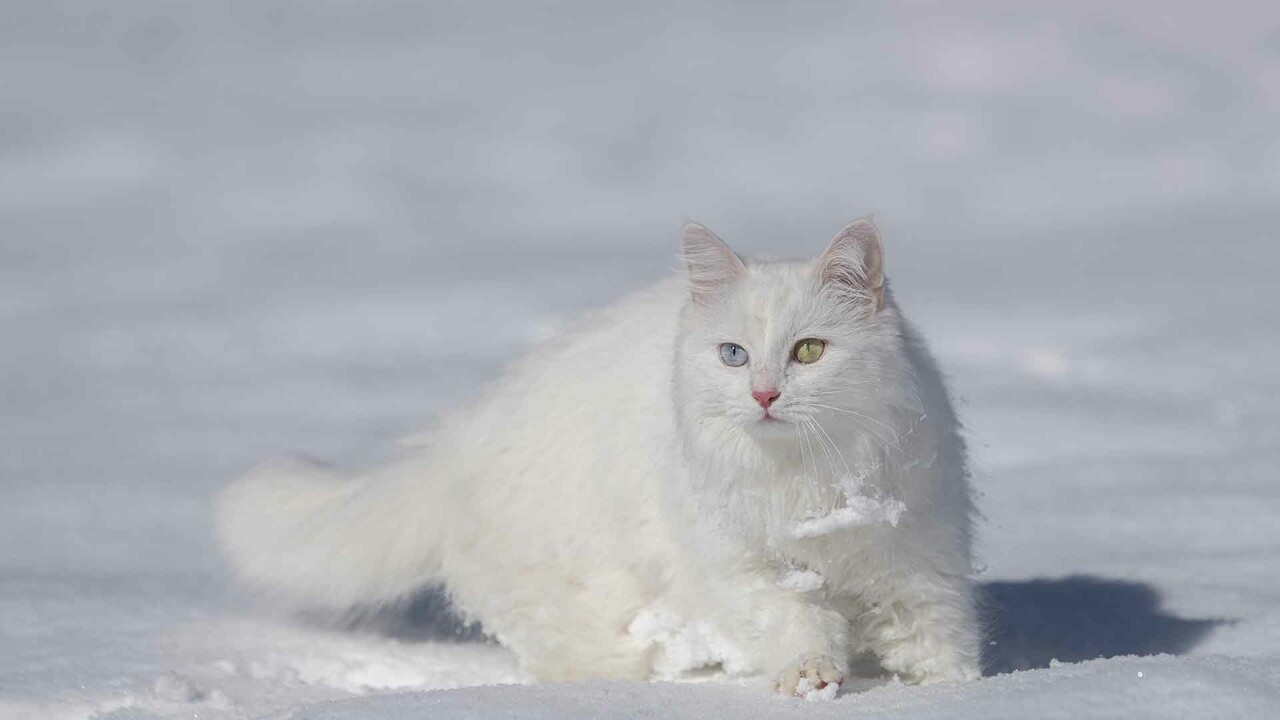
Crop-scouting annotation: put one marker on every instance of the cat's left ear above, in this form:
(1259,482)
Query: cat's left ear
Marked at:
(854,263)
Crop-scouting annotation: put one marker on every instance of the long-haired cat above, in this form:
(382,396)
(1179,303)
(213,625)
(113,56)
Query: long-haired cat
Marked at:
(753,464)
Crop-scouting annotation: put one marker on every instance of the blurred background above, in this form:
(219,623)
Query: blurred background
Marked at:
(236,230)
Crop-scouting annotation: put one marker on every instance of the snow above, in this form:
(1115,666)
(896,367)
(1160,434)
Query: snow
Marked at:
(802,581)
(238,230)
(1210,686)
(859,511)
(828,691)
(684,650)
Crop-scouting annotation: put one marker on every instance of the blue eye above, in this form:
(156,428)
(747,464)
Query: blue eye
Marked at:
(733,354)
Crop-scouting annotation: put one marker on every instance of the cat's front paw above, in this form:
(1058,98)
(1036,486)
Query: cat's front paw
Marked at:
(949,672)
(929,671)
(814,676)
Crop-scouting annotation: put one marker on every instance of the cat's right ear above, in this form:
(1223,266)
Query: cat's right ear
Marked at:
(713,266)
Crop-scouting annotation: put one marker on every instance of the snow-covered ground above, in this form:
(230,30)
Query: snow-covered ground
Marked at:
(233,230)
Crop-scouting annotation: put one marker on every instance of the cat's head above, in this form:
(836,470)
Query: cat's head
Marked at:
(769,349)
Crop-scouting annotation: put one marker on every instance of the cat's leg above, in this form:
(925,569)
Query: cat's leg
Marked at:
(799,643)
(923,627)
(806,645)
(562,627)
(568,654)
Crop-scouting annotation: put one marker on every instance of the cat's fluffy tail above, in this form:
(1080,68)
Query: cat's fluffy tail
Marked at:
(311,537)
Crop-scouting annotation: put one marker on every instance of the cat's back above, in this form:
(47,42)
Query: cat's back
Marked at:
(594,398)
(623,352)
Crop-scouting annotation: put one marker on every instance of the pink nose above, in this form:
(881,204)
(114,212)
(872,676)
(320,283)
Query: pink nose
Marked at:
(765,397)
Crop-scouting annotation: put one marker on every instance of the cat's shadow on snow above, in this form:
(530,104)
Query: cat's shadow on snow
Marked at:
(1080,618)
(1029,623)
(427,616)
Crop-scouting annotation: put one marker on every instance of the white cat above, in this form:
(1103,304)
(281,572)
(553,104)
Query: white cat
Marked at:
(753,464)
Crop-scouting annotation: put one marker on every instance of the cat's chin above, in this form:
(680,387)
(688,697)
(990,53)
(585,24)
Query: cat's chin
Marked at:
(771,427)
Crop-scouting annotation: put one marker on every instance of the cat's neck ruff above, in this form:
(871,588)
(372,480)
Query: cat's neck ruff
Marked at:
(772,488)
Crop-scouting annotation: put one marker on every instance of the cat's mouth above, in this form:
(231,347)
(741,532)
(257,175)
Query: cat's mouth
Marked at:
(769,425)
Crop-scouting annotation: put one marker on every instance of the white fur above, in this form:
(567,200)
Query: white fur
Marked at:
(623,472)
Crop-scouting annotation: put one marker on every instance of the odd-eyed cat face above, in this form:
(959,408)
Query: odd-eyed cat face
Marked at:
(773,348)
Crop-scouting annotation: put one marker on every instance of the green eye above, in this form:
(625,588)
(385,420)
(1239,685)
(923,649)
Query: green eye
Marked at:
(809,350)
